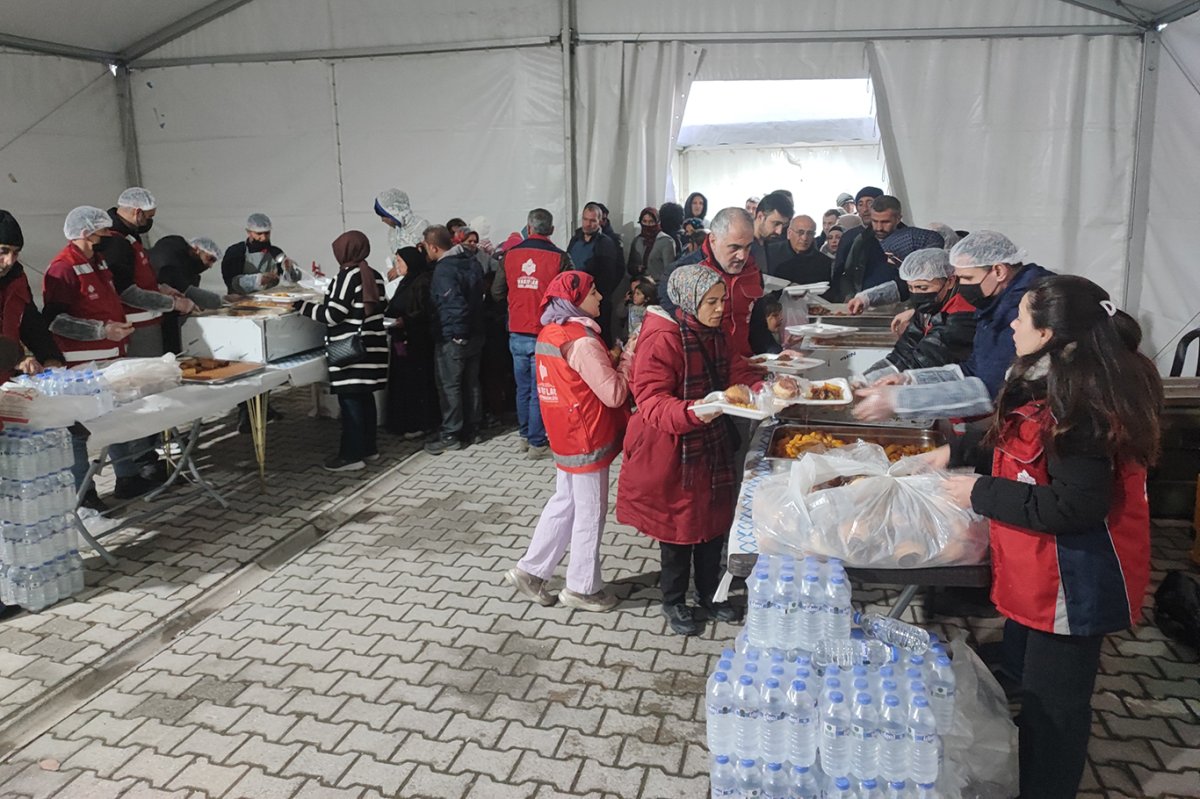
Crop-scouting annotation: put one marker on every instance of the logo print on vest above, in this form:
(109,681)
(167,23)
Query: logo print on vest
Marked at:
(527,280)
(1026,478)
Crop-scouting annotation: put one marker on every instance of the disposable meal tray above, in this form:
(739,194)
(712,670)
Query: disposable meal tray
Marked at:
(851,433)
(883,339)
(836,314)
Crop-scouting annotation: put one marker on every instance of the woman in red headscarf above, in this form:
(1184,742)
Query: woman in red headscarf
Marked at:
(583,400)
(352,309)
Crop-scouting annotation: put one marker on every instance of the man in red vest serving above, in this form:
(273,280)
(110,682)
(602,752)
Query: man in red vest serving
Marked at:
(526,272)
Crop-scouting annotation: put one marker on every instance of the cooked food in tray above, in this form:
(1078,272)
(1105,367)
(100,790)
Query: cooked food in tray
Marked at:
(740,396)
(825,391)
(786,388)
(193,367)
(800,443)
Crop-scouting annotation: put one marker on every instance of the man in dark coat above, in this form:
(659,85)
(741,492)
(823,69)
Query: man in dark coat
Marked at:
(796,258)
(180,264)
(597,254)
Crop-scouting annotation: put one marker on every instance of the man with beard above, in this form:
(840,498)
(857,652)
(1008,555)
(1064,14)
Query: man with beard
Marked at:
(20,319)
(866,264)
(771,218)
(256,264)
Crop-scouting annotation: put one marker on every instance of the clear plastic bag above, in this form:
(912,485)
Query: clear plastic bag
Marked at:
(795,313)
(134,378)
(852,503)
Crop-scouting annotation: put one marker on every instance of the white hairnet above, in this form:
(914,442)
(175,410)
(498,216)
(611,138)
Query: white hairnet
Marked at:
(137,197)
(84,221)
(985,248)
(207,245)
(932,263)
(258,223)
(947,233)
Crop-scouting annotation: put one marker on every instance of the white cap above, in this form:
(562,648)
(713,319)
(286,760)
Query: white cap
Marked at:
(207,245)
(137,197)
(932,263)
(985,248)
(258,223)
(85,220)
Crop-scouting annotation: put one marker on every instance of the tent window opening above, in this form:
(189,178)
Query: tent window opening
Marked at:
(815,138)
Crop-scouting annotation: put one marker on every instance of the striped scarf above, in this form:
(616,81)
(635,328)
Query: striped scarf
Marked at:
(705,369)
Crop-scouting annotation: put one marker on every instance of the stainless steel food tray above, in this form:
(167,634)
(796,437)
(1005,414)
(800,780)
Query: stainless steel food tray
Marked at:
(851,433)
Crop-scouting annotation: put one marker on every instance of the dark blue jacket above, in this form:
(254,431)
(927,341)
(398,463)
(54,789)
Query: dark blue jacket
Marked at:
(457,295)
(876,272)
(994,349)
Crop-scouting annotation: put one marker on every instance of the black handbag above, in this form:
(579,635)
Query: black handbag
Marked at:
(345,351)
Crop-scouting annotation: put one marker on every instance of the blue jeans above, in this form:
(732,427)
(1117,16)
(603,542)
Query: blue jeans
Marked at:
(123,456)
(529,413)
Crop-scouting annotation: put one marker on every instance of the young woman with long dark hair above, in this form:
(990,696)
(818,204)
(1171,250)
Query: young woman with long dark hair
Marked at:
(1075,428)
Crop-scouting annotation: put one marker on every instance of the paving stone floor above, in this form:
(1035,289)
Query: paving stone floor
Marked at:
(388,659)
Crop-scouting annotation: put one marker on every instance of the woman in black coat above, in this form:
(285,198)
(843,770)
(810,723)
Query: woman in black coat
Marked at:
(412,400)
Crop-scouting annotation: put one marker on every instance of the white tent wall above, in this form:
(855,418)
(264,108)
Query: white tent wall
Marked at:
(1170,289)
(1031,137)
(60,146)
(312,143)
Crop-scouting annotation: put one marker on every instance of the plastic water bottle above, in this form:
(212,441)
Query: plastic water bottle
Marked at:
(835,740)
(77,571)
(749,779)
(941,694)
(37,589)
(746,714)
(841,789)
(802,725)
(773,722)
(923,742)
(832,685)
(811,627)
(62,574)
(869,789)
(897,789)
(837,608)
(6,584)
(804,784)
(893,631)
(724,783)
(926,790)
(785,610)
(21,587)
(893,740)
(864,738)
(718,707)
(758,611)
(775,782)
(847,653)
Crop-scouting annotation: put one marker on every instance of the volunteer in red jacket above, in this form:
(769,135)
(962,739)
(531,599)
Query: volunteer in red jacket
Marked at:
(583,400)
(134,276)
(526,272)
(1075,429)
(88,322)
(677,481)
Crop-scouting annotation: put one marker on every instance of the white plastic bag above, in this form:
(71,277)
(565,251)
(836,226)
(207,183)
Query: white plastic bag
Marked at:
(134,378)
(980,752)
(795,313)
(852,503)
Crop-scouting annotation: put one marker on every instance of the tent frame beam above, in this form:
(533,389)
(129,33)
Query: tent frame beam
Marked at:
(1110,8)
(765,37)
(129,140)
(57,49)
(344,54)
(567,42)
(1139,202)
(1176,12)
(178,28)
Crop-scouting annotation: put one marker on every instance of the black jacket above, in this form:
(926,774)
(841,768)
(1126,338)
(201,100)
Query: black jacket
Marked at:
(606,265)
(457,295)
(411,304)
(118,252)
(809,266)
(862,267)
(176,263)
(950,337)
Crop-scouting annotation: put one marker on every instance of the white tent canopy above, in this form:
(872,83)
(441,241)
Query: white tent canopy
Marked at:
(1066,124)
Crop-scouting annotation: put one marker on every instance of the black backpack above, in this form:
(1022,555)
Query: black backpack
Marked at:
(1177,607)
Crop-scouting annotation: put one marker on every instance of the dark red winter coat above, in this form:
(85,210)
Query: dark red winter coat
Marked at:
(651,495)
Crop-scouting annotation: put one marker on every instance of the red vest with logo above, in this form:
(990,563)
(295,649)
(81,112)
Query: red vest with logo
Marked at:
(143,278)
(528,271)
(585,434)
(86,287)
(1086,583)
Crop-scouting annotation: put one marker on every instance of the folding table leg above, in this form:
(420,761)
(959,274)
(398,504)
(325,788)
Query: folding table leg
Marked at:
(256,407)
(902,601)
(178,466)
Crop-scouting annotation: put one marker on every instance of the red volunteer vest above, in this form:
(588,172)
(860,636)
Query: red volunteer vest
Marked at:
(1087,583)
(528,271)
(585,434)
(144,278)
(86,288)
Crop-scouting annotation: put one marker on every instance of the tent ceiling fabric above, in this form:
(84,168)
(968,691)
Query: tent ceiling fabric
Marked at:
(285,25)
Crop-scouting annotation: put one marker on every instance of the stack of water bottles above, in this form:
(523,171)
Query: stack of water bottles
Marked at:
(65,383)
(807,706)
(39,557)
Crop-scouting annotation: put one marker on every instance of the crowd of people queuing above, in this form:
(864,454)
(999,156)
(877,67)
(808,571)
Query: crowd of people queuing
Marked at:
(604,348)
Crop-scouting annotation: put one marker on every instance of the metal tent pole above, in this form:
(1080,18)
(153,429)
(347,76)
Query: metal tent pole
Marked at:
(1139,203)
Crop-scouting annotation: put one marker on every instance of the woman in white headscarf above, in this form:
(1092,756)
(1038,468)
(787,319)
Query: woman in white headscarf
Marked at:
(405,228)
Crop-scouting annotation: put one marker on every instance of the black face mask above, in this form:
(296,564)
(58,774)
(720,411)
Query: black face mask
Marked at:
(925,301)
(257,246)
(144,228)
(973,293)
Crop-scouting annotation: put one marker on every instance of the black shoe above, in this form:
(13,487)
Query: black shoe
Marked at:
(155,472)
(273,415)
(133,487)
(9,610)
(338,464)
(440,446)
(723,611)
(682,620)
(92,500)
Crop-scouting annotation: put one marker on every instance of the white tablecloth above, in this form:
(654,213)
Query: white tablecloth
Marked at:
(176,407)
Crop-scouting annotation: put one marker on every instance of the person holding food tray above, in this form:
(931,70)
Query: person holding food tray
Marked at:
(678,481)
(1075,429)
